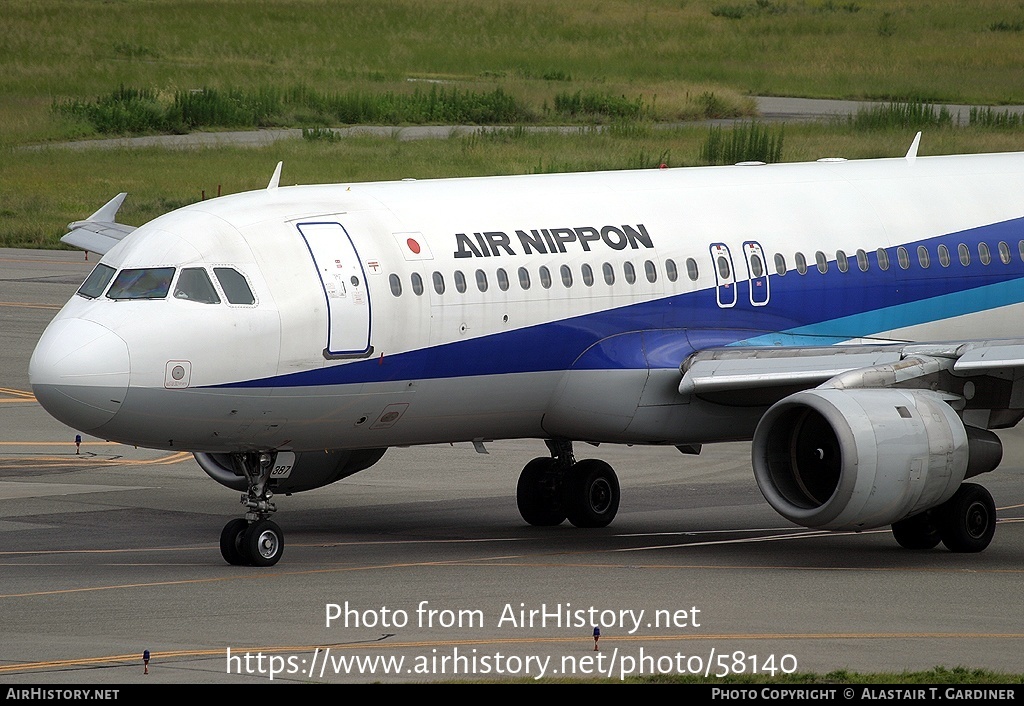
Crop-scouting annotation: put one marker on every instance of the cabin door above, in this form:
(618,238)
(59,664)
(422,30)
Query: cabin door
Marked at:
(344,285)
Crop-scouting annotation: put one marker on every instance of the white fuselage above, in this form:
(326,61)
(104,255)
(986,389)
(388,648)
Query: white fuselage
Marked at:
(569,302)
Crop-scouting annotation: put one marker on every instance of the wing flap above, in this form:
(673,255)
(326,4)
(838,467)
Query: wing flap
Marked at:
(991,355)
(733,369)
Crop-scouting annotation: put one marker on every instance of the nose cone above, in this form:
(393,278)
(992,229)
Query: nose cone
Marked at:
(79,373)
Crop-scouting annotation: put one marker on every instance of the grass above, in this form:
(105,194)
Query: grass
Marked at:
(130,110)
(937,675)
(745,142)
(666,54)
(904,116)
(44,189)
(177,65)
(841,677)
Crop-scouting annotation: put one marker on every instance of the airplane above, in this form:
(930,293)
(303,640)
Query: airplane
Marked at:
(854,319)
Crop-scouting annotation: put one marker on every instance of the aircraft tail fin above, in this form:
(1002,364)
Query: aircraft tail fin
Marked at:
(99,232)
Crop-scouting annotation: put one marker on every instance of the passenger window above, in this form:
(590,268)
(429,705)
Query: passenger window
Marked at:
(588,275)
(756,268)
(481,280)
(502,280)
(883,259)
(460,282)
(1004,252)
(780,263)
(691,269)
(821,261)
(842,262)
(629,272)
(524,278)
(801,263)
(1020,249)
(651,272)
(101,275)
(984,254)
(545,277)
(149,283)
(609,274)
(236,289)
(195,285)
(903,257)
(943,255)
(965,254)
(566,275)
(417,284)
(671,271)
(723,267)
(923,258)
(438,282)
(862,261)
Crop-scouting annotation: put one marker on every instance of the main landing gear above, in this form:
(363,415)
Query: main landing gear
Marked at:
(553,489)
(964,523)
(255,540)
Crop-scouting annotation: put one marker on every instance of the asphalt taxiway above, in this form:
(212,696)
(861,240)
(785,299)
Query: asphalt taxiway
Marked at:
(114,550)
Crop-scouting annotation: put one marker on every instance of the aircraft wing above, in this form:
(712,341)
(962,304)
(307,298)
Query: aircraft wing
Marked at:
(762,376)
(100,231)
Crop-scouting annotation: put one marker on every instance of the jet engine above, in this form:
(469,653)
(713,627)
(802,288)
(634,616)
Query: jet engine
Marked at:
(293,472)
(856,459)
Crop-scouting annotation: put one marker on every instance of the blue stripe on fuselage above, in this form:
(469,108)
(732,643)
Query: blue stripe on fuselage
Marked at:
(810,309)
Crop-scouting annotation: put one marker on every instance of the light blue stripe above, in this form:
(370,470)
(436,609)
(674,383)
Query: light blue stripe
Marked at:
(870,323)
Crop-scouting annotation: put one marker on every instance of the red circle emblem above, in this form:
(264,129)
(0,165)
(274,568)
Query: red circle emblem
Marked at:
(413,245)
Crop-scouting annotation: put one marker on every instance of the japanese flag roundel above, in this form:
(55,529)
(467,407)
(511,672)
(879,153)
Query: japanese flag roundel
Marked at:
(413,246)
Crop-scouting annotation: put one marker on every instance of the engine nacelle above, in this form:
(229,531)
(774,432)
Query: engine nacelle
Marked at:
(856,459)
(305,470)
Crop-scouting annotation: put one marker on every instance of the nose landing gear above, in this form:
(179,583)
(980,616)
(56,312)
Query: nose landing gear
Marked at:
(255,540)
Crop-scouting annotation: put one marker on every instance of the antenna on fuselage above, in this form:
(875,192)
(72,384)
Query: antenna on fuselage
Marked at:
(912,152)
(276,179)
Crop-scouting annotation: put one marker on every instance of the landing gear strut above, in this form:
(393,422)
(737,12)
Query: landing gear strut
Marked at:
(255,540)
(553,489)
(964,523)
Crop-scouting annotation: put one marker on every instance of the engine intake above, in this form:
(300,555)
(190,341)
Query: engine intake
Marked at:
(856,459)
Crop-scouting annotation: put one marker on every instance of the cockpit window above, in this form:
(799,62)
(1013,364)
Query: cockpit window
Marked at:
(236,289)
(97,281)
(148,283)
(195,285)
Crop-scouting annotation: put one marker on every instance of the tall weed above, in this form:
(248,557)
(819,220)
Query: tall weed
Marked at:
(745,142)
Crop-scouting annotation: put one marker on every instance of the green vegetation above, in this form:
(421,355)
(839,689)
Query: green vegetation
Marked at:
(938,675)
(841,677)
(990,117)
(903,116)
(745,142)
(619,70)
(141,111)
(356,60)
(44,189)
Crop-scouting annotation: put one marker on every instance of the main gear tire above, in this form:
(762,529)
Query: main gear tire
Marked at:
(591,493)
